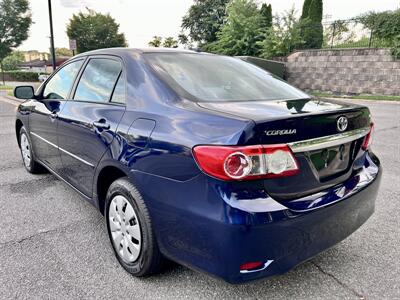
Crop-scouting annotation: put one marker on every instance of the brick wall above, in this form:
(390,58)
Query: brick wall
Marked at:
(345,71)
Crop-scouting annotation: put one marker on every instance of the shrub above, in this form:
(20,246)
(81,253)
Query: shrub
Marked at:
(396,47)
(21,76)
(283,37)
(242,30)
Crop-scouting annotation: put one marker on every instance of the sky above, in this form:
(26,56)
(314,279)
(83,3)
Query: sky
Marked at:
(140,20)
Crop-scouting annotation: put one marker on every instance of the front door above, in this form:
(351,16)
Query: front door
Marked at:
(88,122)
(43,119)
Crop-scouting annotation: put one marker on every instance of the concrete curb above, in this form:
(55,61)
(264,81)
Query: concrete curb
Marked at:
(363,100)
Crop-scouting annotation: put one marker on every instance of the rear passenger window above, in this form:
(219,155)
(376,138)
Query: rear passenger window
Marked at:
(119,91)
(98,80)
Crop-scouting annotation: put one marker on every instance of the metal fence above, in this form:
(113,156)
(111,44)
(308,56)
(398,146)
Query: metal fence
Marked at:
(349,34)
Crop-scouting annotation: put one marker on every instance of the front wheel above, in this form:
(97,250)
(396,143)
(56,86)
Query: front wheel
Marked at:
(28,158)
(130,230)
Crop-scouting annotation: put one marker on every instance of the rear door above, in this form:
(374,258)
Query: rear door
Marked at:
(87,123)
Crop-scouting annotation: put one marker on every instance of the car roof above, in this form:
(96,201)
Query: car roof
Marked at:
(122,51)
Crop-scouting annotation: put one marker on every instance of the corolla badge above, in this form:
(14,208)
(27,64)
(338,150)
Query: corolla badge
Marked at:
(342,123)
(280,132)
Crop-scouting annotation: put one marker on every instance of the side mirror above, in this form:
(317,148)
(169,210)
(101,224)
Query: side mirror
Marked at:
(24,92)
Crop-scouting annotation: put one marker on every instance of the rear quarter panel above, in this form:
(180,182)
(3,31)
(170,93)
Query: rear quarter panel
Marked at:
(167,150)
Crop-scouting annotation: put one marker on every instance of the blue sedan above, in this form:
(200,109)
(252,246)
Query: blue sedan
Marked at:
(205,160)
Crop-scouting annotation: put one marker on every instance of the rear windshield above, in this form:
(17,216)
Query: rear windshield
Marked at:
(207,77)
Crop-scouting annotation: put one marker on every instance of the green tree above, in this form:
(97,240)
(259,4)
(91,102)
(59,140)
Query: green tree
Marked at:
(12,61)
(306,9)
(170,42)
(316,11)
(93,30)
(63,52)
(338,33)
(385,26)
(266,14)
(15,20)
(283,37)
(155,42)
(184,40)
(311,26)
(204,20)
(242,31)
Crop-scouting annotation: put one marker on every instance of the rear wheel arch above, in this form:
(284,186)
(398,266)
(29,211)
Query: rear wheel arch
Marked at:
(106,176)
(149,260)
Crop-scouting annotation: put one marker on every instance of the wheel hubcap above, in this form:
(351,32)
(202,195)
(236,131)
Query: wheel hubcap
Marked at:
(125,229)
(25,150)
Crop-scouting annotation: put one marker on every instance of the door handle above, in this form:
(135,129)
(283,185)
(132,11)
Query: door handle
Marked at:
(102,124)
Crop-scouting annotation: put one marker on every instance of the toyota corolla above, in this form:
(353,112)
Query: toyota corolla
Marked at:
(205,160)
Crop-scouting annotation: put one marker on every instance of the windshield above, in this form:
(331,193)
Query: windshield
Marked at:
(208,77)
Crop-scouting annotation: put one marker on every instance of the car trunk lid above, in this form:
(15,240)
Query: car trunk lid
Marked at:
(325,150)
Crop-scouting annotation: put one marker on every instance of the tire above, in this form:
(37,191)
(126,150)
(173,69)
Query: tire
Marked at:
(28,157)
(133,240)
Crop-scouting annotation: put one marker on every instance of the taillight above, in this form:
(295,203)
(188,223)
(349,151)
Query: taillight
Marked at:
(251,266)
(368,138)
(246,162)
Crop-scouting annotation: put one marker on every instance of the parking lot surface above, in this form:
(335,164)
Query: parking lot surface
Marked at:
(53,244)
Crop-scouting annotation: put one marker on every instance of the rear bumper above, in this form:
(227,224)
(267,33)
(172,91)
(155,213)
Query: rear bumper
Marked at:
(300,237)
(198,226)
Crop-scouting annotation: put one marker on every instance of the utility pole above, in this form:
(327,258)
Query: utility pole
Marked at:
(333,33)
(53,52)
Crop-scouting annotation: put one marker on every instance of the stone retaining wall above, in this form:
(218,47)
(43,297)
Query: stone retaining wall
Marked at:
(345,71)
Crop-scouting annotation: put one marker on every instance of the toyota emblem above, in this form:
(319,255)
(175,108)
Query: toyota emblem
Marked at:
(342,123)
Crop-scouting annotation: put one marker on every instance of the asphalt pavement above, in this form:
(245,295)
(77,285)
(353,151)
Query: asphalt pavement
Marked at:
(53,244)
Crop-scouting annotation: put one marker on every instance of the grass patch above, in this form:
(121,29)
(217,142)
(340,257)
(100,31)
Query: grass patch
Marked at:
(5,87)
(10,93)
(363,97)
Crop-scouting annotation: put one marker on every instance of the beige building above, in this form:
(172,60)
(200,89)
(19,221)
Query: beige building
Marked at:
(32,55)
(42,66)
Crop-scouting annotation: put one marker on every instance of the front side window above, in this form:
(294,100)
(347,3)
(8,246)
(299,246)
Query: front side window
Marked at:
(207,77)
(98,80)
(60,84)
